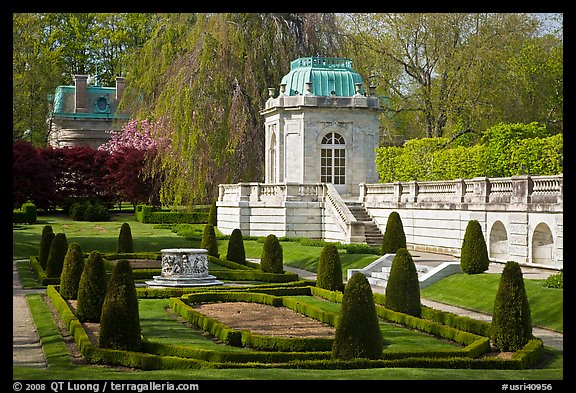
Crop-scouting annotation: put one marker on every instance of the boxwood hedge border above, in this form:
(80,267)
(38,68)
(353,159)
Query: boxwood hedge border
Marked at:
(165,356)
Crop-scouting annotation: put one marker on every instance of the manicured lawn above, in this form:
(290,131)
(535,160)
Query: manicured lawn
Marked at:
(474,292)
(478,291)
(62,369)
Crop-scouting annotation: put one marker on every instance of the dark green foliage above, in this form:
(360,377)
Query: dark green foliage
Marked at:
(71,272)
(329,271)
(236,252)
(89,210)
(120,319)
(511,319)
(403,288)
(272,258)
(92,289)
(45,243)
(358,331)
(394,237)
(56,255)
(209,241)
(125,242)
(213,215)
(474,254)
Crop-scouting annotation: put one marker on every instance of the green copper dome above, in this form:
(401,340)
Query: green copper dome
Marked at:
(326,75)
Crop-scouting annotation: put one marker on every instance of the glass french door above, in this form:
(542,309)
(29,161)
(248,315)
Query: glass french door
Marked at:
(333,161)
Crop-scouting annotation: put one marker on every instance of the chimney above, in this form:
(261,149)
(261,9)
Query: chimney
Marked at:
(119,87)
(80,82)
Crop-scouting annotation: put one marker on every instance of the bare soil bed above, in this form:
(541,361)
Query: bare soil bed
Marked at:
(265,319)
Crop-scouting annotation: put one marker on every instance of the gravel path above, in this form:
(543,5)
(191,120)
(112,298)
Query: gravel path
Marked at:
(27,350)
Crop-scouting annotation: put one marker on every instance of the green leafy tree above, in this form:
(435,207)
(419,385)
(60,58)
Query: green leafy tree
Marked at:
(58,250)
(209,75)
(394,237)
(72,272)
(92,289)
(125,241)
(45,243)
(451,74)
(358,330)
(403,287)
(329,271)
(209,241)
(120,319)
(511,319)
(272,258)
(474,254)
(236,252)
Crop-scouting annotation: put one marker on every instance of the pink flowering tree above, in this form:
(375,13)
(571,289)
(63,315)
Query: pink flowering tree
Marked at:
(130,162)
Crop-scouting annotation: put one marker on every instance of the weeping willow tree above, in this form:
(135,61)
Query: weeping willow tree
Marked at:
(204,77)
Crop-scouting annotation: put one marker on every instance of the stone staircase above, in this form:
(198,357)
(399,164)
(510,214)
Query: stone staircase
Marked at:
(371,230)
(378,271)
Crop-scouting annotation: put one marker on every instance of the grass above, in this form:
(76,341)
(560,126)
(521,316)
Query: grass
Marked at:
(155,318)
(546,304)
(460,290)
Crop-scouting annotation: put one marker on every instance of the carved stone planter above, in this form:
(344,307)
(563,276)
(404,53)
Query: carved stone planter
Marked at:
(184,267)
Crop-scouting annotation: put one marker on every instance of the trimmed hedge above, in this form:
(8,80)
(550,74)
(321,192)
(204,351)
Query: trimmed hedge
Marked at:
(125,242)
(45,243)
(163,356)
(329,271)
(403,287)
(26,215)
(394,237)
(474,253)
(56,256)
(149,215)
(71,272)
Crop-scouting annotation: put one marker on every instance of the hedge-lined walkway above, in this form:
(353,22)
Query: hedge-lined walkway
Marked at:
(27,350)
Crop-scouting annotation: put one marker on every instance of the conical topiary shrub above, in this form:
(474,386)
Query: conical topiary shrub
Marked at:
(213,215)
(45,243)
(71,272)
(120,319)
(125,242)
(272,258)
(358,331)
(511,319)
(474,254)
(236,252)
(329,271)
(394,237)
(92,289)
(403,287)
(56,256)
(209,241)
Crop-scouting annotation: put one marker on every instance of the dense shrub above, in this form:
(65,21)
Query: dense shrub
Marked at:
(26,215)
(358,331)
(329,271)
(555,281)
(474,254)
(45,243)
(92,289)
(505,149)
(125,242)
(403,287)
(511,319)
(71,272)
(56,255)
(394,237)
(120,320)
(89,210)
(236,252)
(213,215)
(209,241)
(272,258)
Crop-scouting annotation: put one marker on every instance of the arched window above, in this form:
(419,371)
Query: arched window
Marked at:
(333,159)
